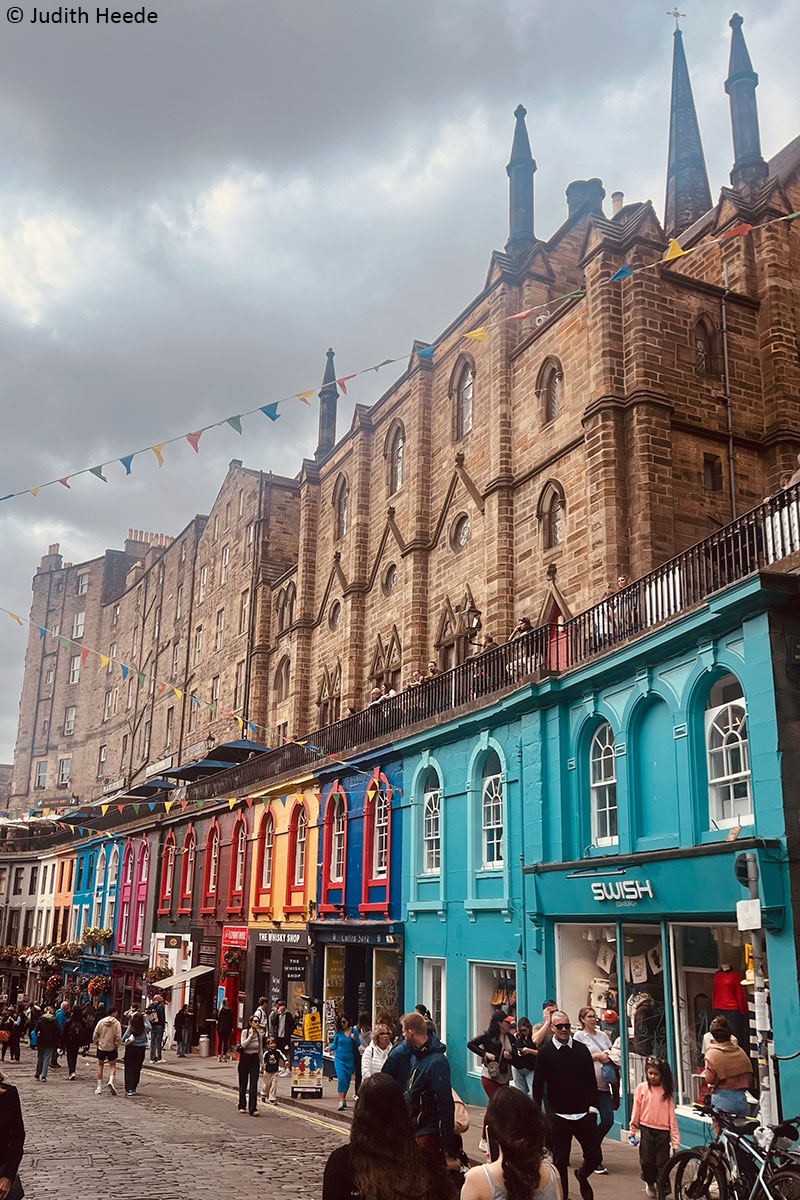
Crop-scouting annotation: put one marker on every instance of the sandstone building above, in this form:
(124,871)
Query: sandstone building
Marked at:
(518,466)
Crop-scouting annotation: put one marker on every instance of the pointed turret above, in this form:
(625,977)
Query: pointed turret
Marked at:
(520,169)
(749,168)
(328,396)
(688,193)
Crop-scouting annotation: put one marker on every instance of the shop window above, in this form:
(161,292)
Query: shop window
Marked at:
(187,872)
(333,988)
(167,873)
(386,982)
(492,813)
(238,865)
(493,987)
(211,869)
(730,799)
(431,828)
(603,787)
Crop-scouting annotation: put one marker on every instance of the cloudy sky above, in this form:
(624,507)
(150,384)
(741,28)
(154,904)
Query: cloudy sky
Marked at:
(192,212)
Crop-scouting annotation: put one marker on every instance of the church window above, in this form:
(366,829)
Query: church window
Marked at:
(389,579)
(282,680)
(459,532)
(551,378)
(341,502)
(464,394)
(550,512)
(395,449)
(703,348)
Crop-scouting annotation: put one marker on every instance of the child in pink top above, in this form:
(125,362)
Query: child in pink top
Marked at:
(653,1118)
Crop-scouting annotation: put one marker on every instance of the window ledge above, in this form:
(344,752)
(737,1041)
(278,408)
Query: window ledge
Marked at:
(501,905)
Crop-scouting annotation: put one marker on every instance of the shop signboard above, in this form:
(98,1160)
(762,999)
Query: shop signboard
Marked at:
(234,936)
(312,1027)
(297,938)
(306,1069)
(207,954)
(294,968)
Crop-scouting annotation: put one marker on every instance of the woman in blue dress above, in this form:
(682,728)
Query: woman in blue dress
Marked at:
(344,1049)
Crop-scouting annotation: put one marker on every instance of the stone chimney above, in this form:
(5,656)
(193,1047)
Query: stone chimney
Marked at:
(585,196)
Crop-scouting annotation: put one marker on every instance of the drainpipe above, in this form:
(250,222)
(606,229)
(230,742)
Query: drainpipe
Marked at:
(727,376)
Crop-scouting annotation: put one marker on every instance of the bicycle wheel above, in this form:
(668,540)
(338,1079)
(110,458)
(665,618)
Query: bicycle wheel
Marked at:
(693,1175)
(785,1184)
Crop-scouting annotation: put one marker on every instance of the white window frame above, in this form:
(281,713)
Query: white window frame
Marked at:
(64,776)
(432,831)
(244,611)
(69,721)
(220,631)
(102,755)
(99,889)
(75,668)
(268,849)
(78,625)
(225,559)
(213,867)
(603,785)
(179,602)
(107,702)
(83,583)
(729,723)
(241,855)
(337,839)
(176,653)
(425,971)
(169,882)
(299,865)
(41,775)
(489,826)
(112,878)
(203,584)
(380,835)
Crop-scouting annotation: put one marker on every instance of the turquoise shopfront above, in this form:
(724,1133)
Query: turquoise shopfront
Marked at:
(651,940)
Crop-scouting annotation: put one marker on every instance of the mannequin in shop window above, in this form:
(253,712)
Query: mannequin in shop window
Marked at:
(729,1000)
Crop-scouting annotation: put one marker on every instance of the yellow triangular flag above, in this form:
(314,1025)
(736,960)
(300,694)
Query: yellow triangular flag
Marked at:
(241,724)
(477,335)
(231,802)
(104,661)
(157,451)
(178,693)
(14,617)
(168,805)
(104,809)
(35,491)
(674,251)
(305,397)
(45,812)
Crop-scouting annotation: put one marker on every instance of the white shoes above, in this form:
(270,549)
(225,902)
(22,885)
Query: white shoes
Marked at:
(112,1087)
(98,1091)
(650,1190)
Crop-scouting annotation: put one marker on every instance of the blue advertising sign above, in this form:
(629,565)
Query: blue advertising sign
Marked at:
(306,1068)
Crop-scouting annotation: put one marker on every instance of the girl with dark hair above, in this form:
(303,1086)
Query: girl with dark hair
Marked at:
(521,1172)
(136,1037)
(728,1070)
(382,1161)
(653,1117)
(12,1139)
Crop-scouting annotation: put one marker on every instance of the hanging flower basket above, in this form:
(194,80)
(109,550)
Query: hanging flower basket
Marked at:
(97,986)
(153,974)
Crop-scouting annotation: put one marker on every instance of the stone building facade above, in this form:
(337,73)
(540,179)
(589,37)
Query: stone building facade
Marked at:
(518,466)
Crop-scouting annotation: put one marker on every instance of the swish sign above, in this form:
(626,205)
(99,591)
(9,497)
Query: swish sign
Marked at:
(622,891)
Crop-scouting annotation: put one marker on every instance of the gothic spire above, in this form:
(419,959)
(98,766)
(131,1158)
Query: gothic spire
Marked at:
(520,169)
(688,193)
(328,395)
(749,168)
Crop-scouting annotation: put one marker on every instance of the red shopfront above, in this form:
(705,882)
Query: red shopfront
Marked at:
(232,977)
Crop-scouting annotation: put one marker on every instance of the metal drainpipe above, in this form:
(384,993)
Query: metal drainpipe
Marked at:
(728,408)
(261,520)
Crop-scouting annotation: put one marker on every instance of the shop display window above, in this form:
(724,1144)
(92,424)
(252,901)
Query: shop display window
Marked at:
(334,987)
(493,987)
(431,983)
(386,976)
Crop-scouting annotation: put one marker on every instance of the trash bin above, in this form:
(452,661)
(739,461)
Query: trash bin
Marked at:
(204,1045)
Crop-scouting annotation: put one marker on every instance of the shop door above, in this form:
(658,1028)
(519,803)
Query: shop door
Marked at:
(386,991)
(643,1011)
(356,983)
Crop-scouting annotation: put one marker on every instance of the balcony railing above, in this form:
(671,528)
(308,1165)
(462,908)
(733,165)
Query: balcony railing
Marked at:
(761,537)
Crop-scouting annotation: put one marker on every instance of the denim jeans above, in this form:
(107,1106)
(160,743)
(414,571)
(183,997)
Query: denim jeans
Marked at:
(523,1080)
(184,1042)
(731,1100)
(43,1061)
(602,1102)
(156,1038)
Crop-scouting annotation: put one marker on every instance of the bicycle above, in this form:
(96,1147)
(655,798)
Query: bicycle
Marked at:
(746,1161)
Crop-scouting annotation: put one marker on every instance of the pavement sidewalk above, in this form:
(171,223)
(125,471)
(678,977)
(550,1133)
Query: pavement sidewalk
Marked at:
(621,1183)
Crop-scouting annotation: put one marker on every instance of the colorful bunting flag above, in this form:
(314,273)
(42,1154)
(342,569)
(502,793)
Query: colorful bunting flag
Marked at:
(477,335)
(10,496)
(249,801)
(98,471)
(231,803)
(142,679)
(622,273)
(168,805)
(194,438)
(235,423)
(161,688)
(737,231)
(136,808)
(387,361)
(35,491)
(791,216)
(305,397)
(42,630)
(63,641)
(104,661)
(343,382)
(151,805)
(157,451)
(84,655)
(199,804)
(178,693)
(124,670)
(271,411)
(126,461)
(104,809)
(518,316)
(14,617)
(674,251)
(64,481)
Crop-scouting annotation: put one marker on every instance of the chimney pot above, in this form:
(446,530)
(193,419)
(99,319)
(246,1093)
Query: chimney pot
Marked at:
(617,201)
(585,195)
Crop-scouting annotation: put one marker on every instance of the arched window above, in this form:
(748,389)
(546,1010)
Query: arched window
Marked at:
(266,850)
(299,865)
(187,871)
(280,610)
(211,873)
(395,445)
(491,813)
(167,873)
(338,819)
(550,511)
(140,896)
(603,787)
(464,385)
(127,873)
(730,798)
(126,898)
(99,890)
(431,828)
(291,597)
(330,695)
(380,835)
(238,865)
(112,878)
(703,348)
(551,378)
(341,501)
(282,680)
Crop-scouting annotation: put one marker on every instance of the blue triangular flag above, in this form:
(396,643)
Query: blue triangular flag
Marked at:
(151,805)
(196,701)
(10,496)
(126,461)
(271,411)
(251,726)
(124,671)
(282,800)
(622,273)
(427,353)
(42,630)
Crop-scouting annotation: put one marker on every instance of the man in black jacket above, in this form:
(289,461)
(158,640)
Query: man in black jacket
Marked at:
(565,1078)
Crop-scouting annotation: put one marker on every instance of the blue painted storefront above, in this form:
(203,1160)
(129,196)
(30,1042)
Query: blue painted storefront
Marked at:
(94,904)
(540,916)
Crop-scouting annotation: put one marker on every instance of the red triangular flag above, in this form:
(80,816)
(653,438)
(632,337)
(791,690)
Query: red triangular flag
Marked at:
(193,439)
(248,801)
(64,481)
(737,231)
(84,655)
(341,382)
(161,688)
(183,804)
(120,808)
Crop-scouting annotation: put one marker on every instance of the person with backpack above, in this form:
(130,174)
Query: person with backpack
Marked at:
(47,1038)
(429,1092)
(73,1037)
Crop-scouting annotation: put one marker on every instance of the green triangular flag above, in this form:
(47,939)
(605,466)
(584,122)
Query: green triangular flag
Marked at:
(98,471)
(199,804)
(142,679)
(136,809)
(235,423)
(792,216)
(64,642)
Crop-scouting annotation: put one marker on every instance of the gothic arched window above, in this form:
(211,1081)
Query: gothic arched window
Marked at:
(464,396)
(395,447)
(703,348)
(603,787)
(282,680)
(341,502)
(551,378)
(550,512)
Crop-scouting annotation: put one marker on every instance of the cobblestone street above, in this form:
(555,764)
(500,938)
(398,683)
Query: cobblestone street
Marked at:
(177,1140)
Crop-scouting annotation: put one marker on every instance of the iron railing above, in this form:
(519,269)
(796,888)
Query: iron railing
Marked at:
(761,537)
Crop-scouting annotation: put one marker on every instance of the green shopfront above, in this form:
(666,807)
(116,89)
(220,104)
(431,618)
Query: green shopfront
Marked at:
(651,940)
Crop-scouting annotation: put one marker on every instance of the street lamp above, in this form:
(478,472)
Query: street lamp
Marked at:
(209,743)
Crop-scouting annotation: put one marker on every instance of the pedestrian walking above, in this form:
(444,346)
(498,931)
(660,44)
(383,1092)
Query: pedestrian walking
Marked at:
(494,1047)
(382,1160)
(12,1141)
(281,1027)
(274,1061)
(364,1031)
(224,1030)
(6,1025)
(565,1080)
(183,1030)
(429,1093)
(728,1070)
(158,1021)
(344,1049)
(19,1024)
(250,1051)
(653,1120)
(376,1053)
(263,1014)
(606,1074)
(523,1057)
(521,1171)
(135,1037)
(62,1015)
(107,1037)
(47,1035)
(73,1037)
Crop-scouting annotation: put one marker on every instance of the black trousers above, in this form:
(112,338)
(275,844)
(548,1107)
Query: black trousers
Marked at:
(654,1151)
(134,1057)
(72,1049)
(586,1134)
(248,1074)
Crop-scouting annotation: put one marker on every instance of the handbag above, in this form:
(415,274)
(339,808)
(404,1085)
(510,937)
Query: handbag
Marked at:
(610,1072)
(460,1114)
(492,1069)
(5,1035)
